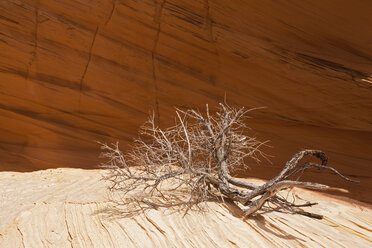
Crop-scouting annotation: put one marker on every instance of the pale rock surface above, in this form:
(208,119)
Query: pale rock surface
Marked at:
(66,208)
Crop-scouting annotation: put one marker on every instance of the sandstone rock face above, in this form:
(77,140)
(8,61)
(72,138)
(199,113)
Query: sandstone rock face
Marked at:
(67,208)
(73,72)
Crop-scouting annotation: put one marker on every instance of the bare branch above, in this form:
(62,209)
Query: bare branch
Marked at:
(191,163)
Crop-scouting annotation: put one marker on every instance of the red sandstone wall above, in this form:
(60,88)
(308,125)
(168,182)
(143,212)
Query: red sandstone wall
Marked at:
(72,72)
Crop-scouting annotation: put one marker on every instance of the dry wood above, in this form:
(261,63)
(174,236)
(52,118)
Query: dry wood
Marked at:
(195,158)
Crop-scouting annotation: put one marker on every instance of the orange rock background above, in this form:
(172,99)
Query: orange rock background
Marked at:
(76,71)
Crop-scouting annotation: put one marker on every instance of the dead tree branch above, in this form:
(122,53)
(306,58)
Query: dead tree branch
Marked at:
(191,163)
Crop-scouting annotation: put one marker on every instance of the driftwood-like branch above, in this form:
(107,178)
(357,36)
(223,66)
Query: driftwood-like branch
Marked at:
(191,162)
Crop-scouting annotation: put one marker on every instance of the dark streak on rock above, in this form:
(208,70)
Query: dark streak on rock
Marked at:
(34,52)
(23,5)
(121,106)
(188,20)
(157,20)
(41,77)
(65,20)
(138,73)
(187,69)
(184,14)
(65,125)
(326,64)
(8,20)
(308,61)
(126,43)
(244,56)
(87,65)
(164,33)
(112,12)
(112,102)
(209,25)
(121,3)
(5,35)
(344,45)
(208,21)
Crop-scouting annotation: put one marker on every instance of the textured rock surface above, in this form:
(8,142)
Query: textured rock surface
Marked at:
(65,208)
(72,72)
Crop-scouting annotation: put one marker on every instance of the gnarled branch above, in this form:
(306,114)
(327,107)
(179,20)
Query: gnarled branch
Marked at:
(190,163)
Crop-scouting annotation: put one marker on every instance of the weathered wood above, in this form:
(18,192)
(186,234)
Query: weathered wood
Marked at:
(199,151)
